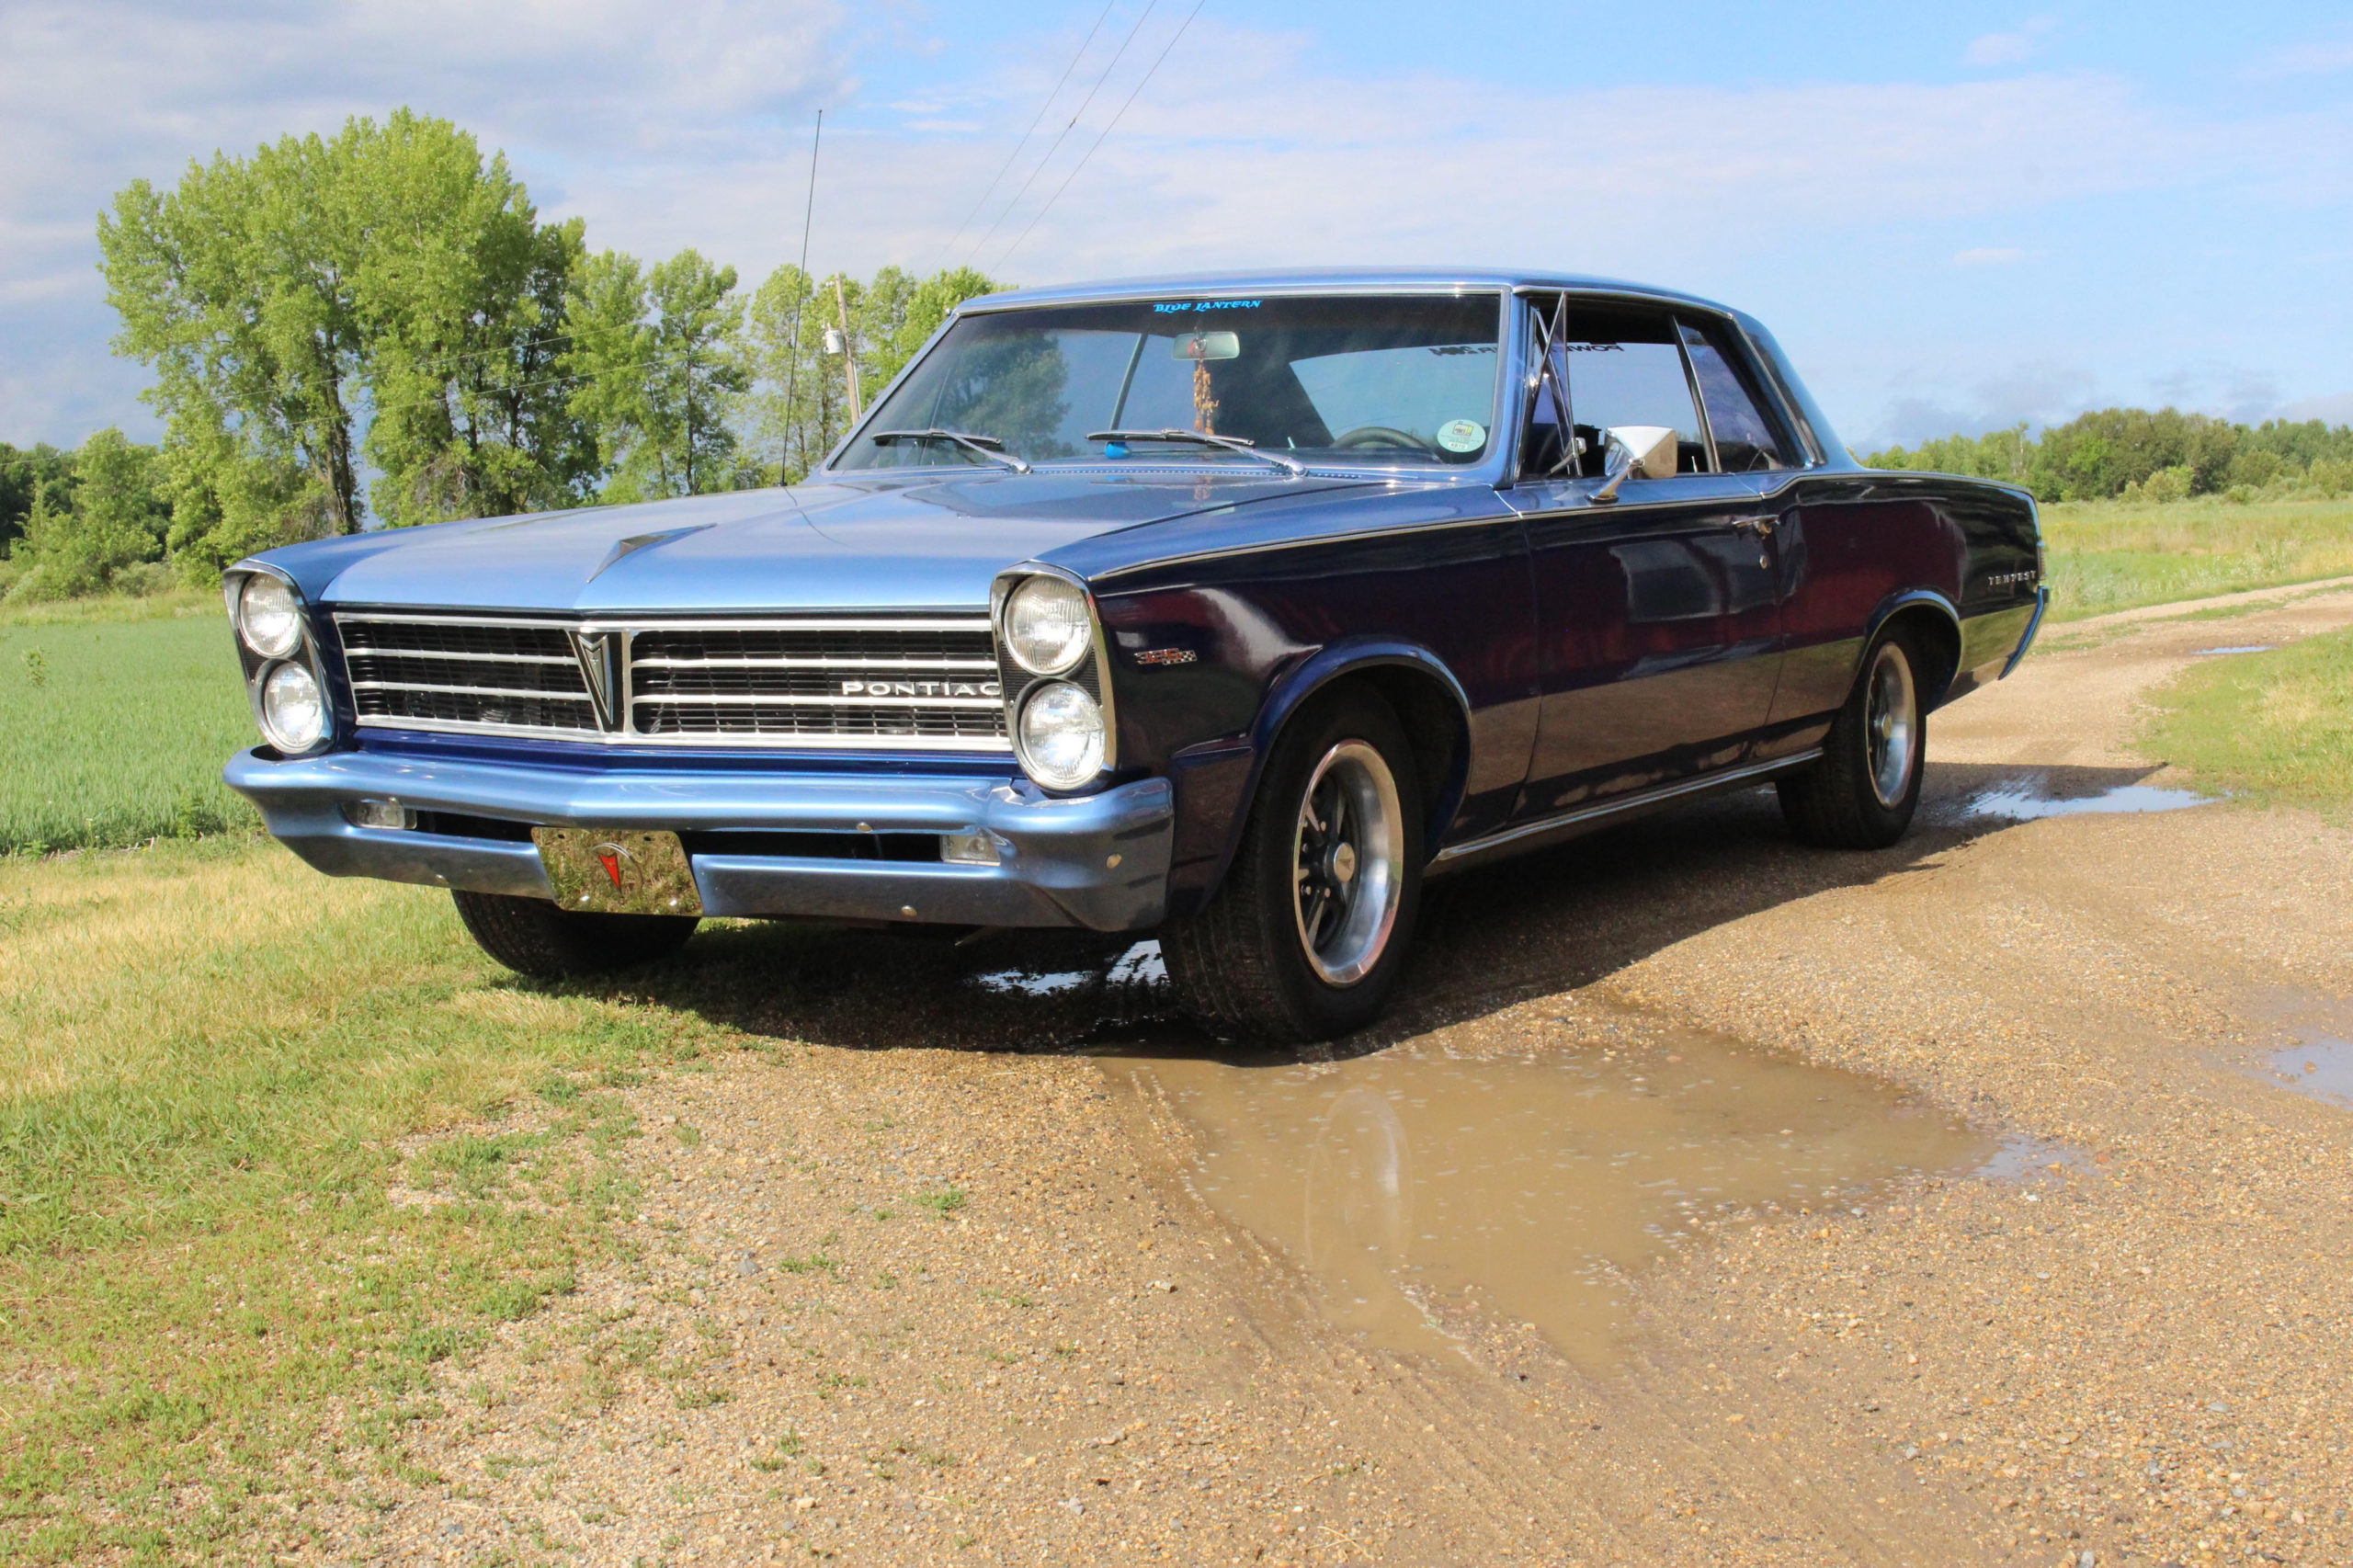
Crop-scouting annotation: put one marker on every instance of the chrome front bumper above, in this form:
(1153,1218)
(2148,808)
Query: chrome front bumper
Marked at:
(1099,861)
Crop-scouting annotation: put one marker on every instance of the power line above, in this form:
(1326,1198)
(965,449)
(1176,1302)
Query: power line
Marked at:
(997,178)
(808,214)
(1187,22)
(981,244)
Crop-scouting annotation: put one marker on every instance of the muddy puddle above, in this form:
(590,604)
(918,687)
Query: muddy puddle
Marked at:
(2322,1067)
(1423,1191)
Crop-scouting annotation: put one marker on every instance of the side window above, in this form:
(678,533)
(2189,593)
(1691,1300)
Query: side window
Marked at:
(1626,367)
(1745,439)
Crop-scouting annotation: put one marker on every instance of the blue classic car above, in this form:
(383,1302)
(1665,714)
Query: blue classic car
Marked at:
(1232,609)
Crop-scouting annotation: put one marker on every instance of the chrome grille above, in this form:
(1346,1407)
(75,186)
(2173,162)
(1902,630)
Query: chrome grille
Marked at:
(893,682)
(477,675)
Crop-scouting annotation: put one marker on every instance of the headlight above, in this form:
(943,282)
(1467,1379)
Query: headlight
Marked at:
(1047,628)
(1062,736)
(293,714)
(270,617)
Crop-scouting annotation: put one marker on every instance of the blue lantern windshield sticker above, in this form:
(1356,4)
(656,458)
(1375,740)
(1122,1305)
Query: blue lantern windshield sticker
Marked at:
(1462,435)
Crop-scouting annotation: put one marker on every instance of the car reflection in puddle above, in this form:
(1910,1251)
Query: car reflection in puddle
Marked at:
(2021,804)
(1419,1187)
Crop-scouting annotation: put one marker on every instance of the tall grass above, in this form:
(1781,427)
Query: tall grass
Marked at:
(2112,555)
(115,719)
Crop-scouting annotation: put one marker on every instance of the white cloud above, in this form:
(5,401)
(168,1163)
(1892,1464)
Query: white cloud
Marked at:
(2011,48)
(1989,256)
(689,126)
(2336,409)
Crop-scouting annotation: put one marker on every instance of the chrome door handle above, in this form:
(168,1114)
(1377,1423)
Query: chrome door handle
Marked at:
(1761,526)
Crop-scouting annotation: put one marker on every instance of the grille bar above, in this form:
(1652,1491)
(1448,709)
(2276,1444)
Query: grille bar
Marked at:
(776,682)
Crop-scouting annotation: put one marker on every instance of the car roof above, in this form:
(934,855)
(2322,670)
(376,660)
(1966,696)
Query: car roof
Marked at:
(1350,279)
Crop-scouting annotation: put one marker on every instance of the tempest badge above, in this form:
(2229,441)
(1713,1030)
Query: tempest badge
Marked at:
(922,688)
(2005,579)
(1167,656)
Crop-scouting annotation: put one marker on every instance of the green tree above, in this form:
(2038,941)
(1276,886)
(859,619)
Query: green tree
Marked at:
(800,406)
(461,294)
(28,476)
(236,288)
(658,368)
(115,517)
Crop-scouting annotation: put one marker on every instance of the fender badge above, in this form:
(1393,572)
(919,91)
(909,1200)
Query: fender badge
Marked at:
(1150,656)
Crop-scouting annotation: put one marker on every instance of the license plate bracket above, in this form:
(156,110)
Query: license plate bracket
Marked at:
(605,871)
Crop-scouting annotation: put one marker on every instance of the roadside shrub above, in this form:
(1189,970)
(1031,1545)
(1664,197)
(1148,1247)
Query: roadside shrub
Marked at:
(2166,484)
(2253,470)
(2331,476)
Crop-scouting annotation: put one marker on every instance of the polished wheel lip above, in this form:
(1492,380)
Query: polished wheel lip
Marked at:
(1891,725)
(1349,862)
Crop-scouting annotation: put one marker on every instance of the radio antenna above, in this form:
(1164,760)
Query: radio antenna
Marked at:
(792,363)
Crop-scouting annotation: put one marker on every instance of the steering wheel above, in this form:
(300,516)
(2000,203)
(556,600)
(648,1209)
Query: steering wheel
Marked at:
(1384,436)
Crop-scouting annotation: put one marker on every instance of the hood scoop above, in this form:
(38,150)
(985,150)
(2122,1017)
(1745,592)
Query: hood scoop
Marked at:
(624,548)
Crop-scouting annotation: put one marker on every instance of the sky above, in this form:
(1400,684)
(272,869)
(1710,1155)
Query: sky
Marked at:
(1953,216)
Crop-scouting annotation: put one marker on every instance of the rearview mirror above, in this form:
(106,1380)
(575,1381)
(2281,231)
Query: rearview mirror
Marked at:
(1206,345)
(1639,451)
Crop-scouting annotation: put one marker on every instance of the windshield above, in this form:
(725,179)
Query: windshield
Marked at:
(1354,380)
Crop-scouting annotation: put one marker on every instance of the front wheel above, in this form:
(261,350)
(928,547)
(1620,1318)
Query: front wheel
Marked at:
(1306,937)
(1863,793)
(531,935)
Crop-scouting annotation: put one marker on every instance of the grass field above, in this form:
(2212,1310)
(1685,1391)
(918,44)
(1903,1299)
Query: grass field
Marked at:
(212,1307)
(115,718)
(2272,727)
(2109,556)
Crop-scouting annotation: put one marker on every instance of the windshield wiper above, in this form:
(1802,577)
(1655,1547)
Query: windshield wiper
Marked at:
(989,447)
(1291,466)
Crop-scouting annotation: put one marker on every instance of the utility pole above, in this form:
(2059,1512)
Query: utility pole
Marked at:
(849,349)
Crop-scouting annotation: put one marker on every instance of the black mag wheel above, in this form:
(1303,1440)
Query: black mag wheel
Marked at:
(1306,937)
(532,937)
(1863,793)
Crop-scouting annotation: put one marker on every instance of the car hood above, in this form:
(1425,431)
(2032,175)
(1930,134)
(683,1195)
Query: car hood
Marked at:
(866,542)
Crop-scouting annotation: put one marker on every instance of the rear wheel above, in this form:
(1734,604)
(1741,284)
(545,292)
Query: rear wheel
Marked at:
(531,935)
(1863,793)
(1306,937)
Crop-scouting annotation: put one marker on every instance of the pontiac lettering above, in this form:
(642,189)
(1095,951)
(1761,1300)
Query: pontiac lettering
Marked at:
(922,688)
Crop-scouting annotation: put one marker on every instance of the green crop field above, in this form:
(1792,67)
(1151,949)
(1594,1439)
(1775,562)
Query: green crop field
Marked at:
(115,718)
(2111,555)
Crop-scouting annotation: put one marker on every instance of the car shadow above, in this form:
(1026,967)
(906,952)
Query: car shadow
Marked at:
(1546,923)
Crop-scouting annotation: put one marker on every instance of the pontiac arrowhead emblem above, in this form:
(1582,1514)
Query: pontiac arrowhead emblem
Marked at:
(599,653)
(610,858)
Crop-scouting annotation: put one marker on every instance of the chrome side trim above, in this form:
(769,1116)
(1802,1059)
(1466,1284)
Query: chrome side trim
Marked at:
(1635,801)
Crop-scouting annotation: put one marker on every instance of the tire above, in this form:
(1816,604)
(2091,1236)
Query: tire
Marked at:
(1306,937)
(531,935)
(1862,794)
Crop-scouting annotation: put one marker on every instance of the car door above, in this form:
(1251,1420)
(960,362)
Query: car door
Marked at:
(1658,615)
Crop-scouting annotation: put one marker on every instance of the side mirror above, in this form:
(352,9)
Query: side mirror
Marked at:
(1639,451)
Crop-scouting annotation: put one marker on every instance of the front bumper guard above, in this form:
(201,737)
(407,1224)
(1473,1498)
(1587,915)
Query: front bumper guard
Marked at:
(1098,861)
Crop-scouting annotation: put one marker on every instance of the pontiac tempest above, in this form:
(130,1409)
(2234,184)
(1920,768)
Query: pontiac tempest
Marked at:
(1234,610)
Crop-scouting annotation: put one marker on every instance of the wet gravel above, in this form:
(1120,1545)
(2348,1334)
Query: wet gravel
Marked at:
(901,1303)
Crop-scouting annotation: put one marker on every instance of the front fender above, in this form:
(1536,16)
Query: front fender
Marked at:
(1224,775)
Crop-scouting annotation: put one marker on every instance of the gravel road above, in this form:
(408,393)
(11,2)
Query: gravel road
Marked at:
(942,1279)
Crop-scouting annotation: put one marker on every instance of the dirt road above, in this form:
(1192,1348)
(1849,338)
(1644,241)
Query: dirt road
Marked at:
(1946,1206)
